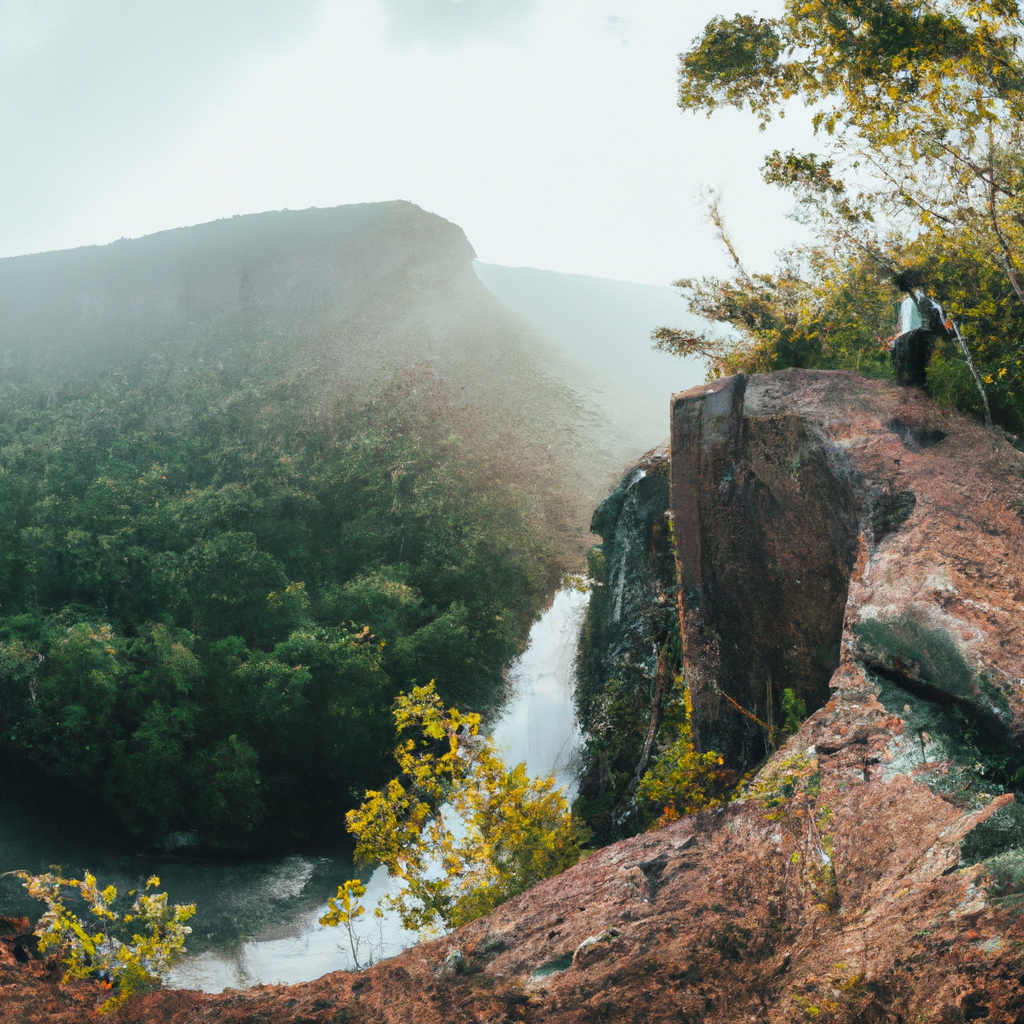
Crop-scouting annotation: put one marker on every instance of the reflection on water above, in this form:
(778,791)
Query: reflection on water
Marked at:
(256,921)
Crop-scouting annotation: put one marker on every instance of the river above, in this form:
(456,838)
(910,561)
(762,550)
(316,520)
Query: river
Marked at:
(257,919)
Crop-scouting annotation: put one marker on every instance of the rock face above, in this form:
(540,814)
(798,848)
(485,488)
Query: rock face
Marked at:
(873,870)
(825,522)
(766,525)
(628,650)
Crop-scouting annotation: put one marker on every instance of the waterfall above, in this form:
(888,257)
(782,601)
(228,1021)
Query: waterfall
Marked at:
(537,725)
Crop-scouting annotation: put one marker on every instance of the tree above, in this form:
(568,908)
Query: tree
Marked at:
(345,909)
(920,106)
(821,310)
(459,829)
(923,99)
(185,581)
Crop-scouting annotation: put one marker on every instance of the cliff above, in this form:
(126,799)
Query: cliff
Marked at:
(628,648)
(873,869)
(833,530)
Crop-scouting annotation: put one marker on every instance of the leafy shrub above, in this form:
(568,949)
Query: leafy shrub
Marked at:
(794,711)
(682,780)
(460,830)
(344,910)
(128,948)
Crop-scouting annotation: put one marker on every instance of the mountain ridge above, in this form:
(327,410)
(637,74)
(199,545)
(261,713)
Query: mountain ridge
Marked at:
(340,299)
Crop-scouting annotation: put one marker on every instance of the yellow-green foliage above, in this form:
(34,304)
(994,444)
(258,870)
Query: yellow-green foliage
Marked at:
(345,907)
(461,831)
(682,780)
(918,182)
(345,910)
(128,950)
(817,311)
(791,782)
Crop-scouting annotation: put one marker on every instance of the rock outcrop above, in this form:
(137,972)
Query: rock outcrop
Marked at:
(873,869)
(628,651)
(766,524)
(826,522)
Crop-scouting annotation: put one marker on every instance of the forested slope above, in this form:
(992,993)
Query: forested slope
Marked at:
(258,476)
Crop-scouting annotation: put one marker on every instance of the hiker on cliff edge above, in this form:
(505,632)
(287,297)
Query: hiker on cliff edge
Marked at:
(920,326)
(921,323)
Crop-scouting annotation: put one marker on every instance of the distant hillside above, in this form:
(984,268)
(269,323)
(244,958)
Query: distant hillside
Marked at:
(338,301)
(602,329)
(258,477)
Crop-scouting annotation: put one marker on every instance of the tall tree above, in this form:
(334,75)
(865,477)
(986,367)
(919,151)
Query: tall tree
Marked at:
(919,105)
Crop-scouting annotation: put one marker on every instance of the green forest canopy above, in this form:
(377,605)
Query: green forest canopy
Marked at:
(209,600)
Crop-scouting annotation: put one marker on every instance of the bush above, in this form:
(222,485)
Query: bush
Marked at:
(128,948)
(462,831)
(794,712)
(682,780)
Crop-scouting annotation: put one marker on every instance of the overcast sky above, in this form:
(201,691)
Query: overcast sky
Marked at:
(547,129)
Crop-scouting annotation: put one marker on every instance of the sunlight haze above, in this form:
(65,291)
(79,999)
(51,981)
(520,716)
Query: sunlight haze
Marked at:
(547,130)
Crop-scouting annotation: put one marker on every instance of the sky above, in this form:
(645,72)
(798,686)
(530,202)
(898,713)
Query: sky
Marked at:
(547,129)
